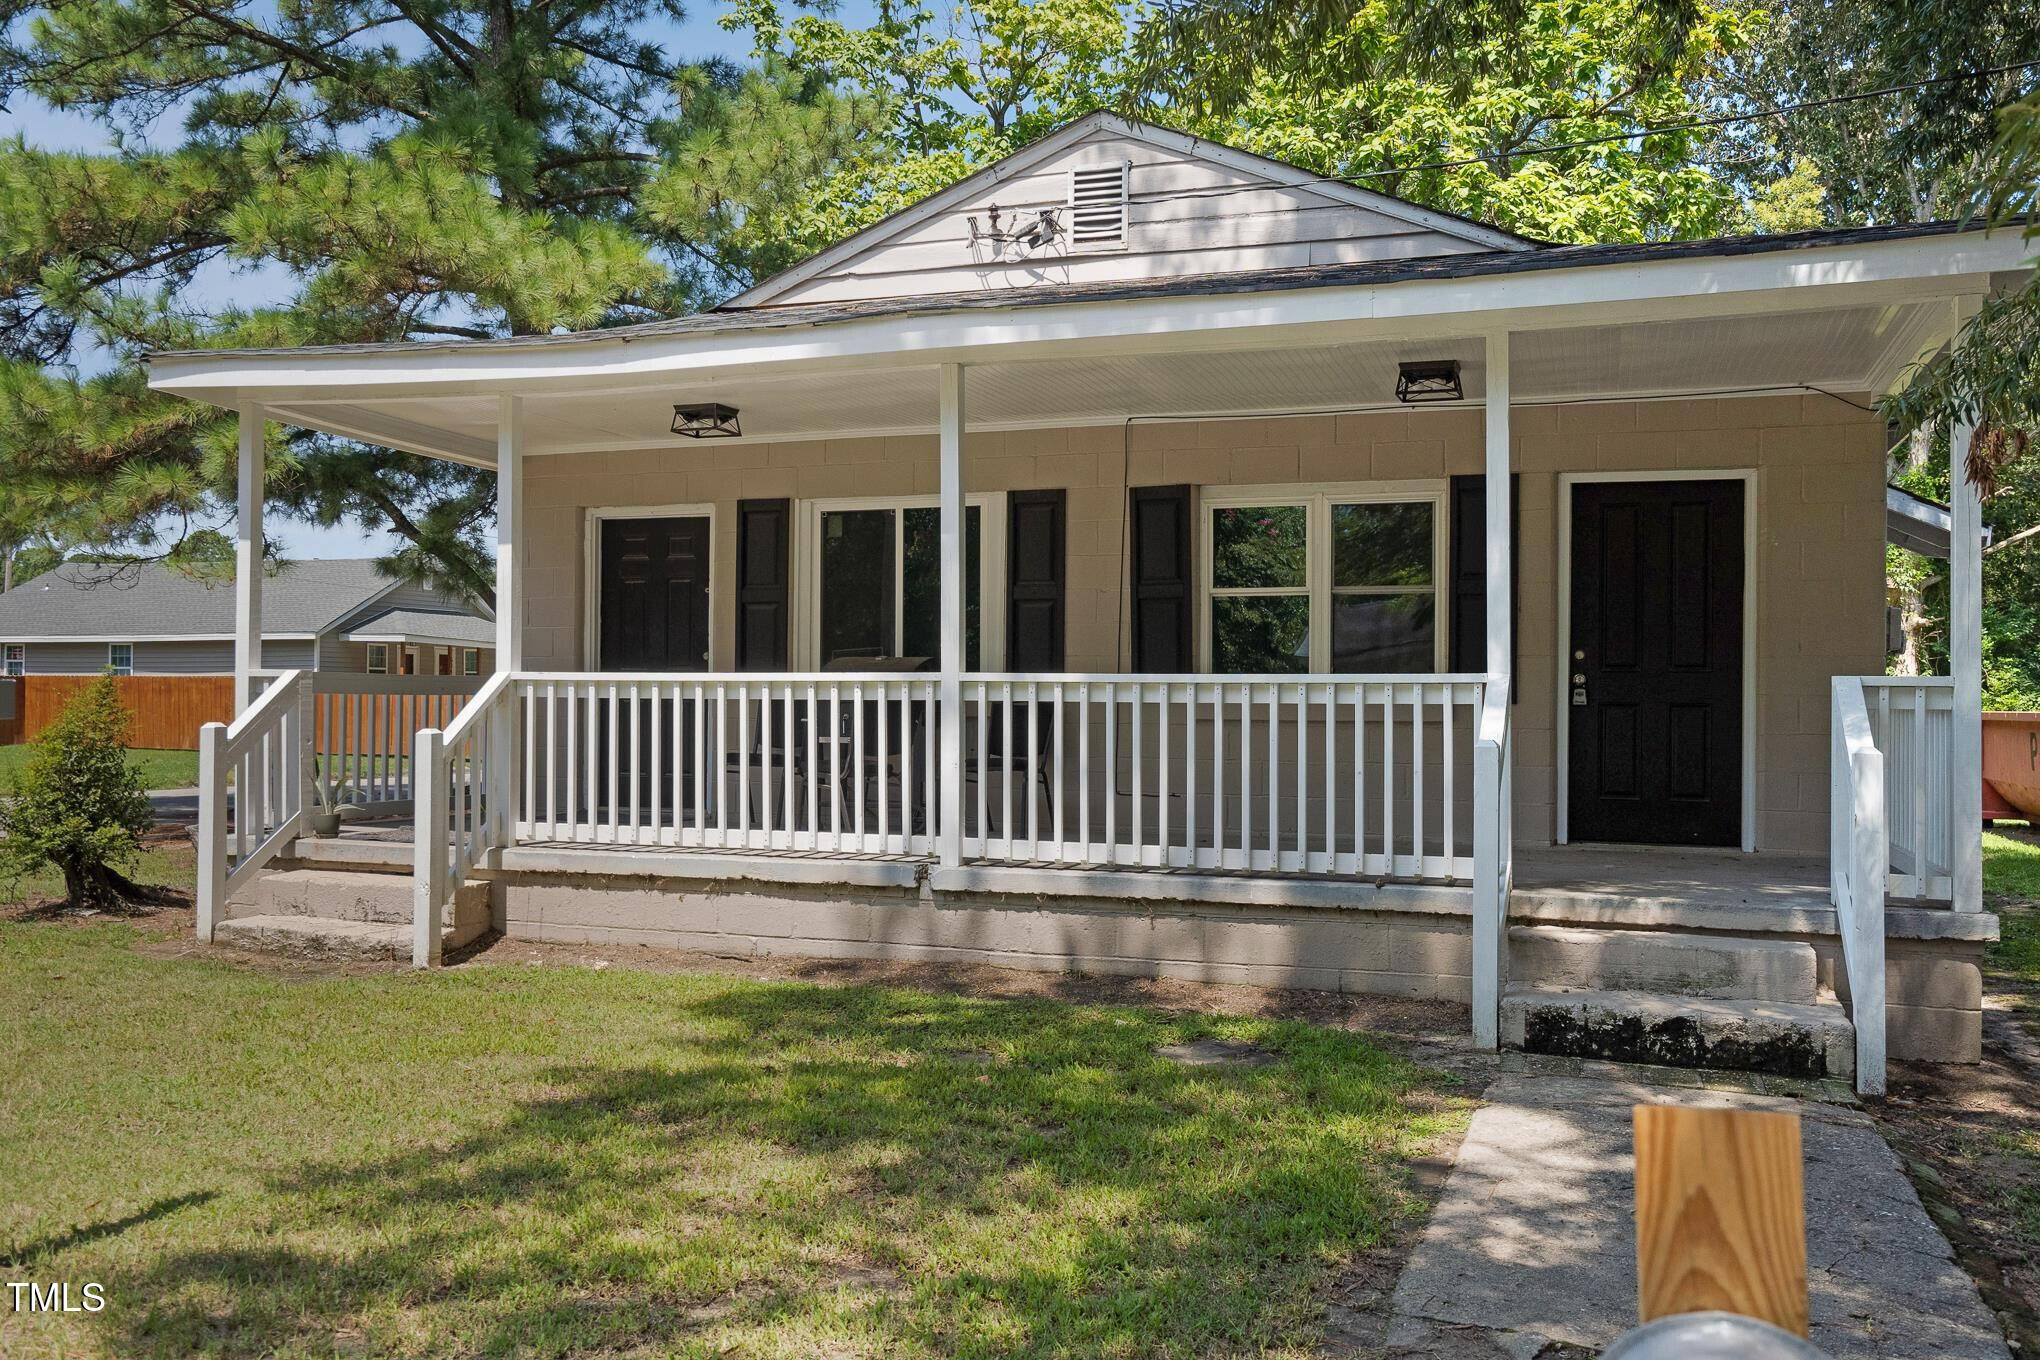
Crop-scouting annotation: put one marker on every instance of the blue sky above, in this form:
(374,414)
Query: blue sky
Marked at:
(699,36)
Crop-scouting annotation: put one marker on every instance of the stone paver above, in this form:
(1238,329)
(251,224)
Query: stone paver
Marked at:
(1534,1240)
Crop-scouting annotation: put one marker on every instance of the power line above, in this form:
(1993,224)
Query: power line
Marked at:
(1698,124)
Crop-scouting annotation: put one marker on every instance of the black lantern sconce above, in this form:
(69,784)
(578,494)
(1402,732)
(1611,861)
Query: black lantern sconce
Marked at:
(1422,380)
(708,420)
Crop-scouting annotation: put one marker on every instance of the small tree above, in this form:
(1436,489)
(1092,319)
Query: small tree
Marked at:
(79,805)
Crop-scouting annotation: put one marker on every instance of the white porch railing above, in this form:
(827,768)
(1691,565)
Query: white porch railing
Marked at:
(831,762)
(1365,775)
(1912,721)
(355,732)
(462,776)
(1859,863)
(263,752)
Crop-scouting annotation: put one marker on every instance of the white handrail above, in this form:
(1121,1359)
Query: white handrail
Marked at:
(1860,858)
(264,749)
(1493,861)
(461,786)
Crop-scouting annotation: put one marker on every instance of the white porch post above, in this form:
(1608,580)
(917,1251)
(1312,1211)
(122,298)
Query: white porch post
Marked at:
(1493,860)
(1965,664)
(952,622)
(248,559)
(508,766)
(1498,554)
(509,530)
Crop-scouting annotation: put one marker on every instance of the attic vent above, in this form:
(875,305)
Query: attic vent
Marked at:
(1098,206)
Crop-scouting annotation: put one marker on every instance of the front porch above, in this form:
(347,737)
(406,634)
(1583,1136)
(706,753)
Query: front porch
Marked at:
(1161,629)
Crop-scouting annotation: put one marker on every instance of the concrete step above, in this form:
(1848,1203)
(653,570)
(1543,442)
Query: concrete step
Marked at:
(1784,1039)
(1669,962)
(342,895)
(318,937)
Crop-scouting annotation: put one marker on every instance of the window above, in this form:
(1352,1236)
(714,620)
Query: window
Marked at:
(470,661)
(877,588)
(120,658)
(378,658)
(1326,581)
(15,659)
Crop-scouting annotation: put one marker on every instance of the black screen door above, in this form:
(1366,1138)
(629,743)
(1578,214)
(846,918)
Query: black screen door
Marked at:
(654,595)
(1655,675)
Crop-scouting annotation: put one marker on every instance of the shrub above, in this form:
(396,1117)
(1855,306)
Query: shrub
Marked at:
(79,807)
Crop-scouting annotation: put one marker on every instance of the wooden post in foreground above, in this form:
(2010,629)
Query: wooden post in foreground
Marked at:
(1720,1215)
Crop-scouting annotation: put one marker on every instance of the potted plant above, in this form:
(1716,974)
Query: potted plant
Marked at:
(324,819)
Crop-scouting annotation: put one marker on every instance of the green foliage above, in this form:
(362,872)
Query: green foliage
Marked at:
(1555,71)
(381,171)
(78,806)
(1796,201)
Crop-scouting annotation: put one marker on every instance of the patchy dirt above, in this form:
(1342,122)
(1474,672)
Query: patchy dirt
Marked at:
(1970,1138)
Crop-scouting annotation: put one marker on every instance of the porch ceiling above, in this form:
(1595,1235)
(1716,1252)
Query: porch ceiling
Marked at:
(1850,349)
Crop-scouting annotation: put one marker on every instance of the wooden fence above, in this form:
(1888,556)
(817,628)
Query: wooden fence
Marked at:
(167,710)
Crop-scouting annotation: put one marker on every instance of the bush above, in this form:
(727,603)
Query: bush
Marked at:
(78,806)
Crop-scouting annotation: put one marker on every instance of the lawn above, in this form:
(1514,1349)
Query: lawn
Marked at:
(2011,882)
(160,769)
(559,1160)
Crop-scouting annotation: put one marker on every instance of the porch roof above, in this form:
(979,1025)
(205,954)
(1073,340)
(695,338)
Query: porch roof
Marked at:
(1846,311)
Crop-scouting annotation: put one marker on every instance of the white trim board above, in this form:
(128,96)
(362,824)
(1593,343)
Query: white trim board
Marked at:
(1562,727)
(591,570)
(1845,274)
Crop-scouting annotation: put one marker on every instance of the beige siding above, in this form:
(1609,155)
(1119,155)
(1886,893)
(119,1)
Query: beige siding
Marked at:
(1185,215)
(1820,535)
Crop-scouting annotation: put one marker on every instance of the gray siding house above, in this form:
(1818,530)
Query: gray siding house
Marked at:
(338,615)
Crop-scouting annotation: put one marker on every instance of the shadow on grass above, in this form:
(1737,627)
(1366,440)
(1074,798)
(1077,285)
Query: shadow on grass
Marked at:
(29,1253)
(782,1169)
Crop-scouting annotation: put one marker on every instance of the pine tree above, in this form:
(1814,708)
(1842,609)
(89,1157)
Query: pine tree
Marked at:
(387,170)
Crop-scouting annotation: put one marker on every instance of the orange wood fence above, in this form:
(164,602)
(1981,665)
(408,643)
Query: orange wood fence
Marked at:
(167,710)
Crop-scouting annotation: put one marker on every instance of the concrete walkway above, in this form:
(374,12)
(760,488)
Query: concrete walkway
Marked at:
(1534,1241)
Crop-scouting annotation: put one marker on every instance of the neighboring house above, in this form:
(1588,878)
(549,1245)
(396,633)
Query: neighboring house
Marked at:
(174,634)
(150,619)
(1144,556)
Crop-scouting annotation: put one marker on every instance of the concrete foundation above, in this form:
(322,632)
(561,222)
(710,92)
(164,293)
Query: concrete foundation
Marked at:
(1418,946)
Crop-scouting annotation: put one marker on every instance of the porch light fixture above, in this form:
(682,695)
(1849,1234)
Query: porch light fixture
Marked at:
(708,420)
(1421,380)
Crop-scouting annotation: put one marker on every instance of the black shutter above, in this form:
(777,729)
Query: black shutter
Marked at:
(764,571)
(1468,644)
(1034,580)
(1162,586)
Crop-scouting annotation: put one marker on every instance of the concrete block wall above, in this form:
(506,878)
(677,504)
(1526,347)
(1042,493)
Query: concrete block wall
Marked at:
(1820,534)
(1380,952)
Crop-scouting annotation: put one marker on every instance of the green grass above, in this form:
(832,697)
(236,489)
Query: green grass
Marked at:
(2011,879)
(562,1161)
(173,866)
(160,769)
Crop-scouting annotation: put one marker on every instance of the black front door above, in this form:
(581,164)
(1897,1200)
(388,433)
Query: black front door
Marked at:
(654,595)
(654,617)
(1655,674)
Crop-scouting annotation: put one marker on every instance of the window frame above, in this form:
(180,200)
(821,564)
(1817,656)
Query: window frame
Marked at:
(807,563)
(1317,499)
(114,667)
(470,661)
(368,660)
(14,659)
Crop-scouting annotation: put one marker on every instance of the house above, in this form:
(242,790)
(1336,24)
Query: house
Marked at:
(1144,556)
(169,636)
